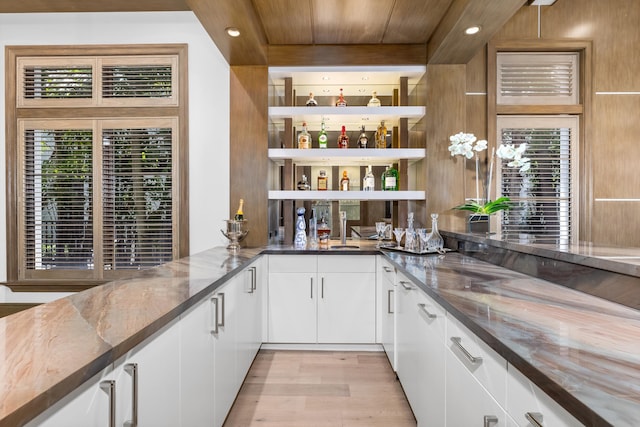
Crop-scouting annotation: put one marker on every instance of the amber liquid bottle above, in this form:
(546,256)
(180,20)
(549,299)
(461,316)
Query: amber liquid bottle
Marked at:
(344,182)
(343,139)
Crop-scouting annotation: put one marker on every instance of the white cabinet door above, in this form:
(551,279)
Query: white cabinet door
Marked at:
(408,359)
(386,309)
(155,365)
(197,365)
(429,408)
(527,404)
(347,308)
(227,380)
(292,307)
(249,317)
(467,402)
(88,405)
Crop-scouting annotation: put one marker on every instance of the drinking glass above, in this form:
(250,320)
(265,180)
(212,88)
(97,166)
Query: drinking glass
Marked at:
(398,232)
(381,231)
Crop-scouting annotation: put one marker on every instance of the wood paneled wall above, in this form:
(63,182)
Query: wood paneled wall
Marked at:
(248,151)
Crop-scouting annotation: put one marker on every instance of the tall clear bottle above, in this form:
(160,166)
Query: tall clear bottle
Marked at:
(322,136)
(369,181)
(304,138)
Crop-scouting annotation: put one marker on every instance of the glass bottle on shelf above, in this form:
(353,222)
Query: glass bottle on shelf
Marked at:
(344,182)
(322,136)
(390,179)
(381,135)
(363,140)
(435,242)
(341,102)
(343,139)
(369,181)
(304,138)
(303,185)
(374,101)
(322,181)
(311,102)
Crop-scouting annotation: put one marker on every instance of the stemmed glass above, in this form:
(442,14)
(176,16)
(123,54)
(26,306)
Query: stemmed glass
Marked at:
(398,232)
(381,231)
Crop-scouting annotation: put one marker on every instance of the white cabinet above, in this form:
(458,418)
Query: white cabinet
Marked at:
(421,352)
(322,299)
(249,316)
(386,322)
(529,406)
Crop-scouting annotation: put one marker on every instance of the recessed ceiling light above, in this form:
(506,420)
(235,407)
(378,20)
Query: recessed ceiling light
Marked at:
(326,90)
(325,77)
(472,30)
(365,78)
(232,31)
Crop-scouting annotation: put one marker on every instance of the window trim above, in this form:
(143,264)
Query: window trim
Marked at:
(13,113)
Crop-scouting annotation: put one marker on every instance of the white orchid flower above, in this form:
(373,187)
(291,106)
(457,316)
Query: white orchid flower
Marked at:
(480,145)
(506,151)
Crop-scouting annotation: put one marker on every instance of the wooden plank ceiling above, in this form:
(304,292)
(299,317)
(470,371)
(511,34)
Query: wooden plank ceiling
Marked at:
(316,25)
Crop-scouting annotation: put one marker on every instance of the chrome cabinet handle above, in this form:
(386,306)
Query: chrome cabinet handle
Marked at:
(490,419)
(406,285)
(389,292)
(322,288)
(254,278)
(473,359)
(132,369)
(311,286)
(387,269)
(109,387)
(423,307)
(221,297)
(534,418)
(214,323)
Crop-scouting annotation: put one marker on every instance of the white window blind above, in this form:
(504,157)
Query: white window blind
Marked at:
(537,78)
(544,197)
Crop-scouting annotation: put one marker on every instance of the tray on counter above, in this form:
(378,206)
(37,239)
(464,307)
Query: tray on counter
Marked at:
(395,248)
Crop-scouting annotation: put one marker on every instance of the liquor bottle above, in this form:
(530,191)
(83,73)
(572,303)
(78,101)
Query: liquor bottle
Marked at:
(390,179)
(304,138)
(344,182)
(322,136)
(311,102)
(363,140)
(369,181)
(300,240)
(341,102)
(374,101)
(239,214)
(381,136)
(322,181)
(343,139)
(303,185)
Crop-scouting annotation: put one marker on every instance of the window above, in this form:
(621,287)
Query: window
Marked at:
(544,196)
(99,158)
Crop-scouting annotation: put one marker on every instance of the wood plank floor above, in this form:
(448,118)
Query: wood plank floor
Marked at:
(320,389)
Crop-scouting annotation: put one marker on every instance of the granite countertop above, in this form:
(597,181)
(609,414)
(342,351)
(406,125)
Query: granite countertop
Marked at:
(581,350)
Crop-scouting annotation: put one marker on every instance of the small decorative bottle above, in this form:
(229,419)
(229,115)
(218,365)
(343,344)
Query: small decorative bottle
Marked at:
(303,185)
(369,181)
(344,182)
(341,102)
(300,240)
(374,101)
(322,136)
(343,139)
(311,102)
(381,136)
(363,140)
(322,181)
(390,179)
(304,138)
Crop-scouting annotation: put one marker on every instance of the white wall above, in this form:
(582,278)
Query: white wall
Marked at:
(208,104)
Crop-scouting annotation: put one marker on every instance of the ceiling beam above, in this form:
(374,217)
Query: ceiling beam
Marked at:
(47,6)
(250,48)
(354,54)
(449,43)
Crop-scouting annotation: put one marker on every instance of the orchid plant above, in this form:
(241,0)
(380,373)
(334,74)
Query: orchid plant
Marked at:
(468,146)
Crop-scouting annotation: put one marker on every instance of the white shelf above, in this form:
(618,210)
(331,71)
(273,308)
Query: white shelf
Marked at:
(346,195)
(345,157)
(351,117)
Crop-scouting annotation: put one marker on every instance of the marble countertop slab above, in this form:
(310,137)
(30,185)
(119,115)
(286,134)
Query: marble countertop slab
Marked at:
(581,350)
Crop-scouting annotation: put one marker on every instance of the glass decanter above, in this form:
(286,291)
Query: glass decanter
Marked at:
(435,242)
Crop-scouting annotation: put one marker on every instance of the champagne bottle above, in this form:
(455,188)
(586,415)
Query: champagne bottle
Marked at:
(343,139)
(239,214)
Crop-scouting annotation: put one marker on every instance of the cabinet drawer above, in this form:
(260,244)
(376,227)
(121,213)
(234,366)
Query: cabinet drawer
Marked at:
(293,263)
(432,314)
(491,371)
(524,397)
(386,270)
(347,263)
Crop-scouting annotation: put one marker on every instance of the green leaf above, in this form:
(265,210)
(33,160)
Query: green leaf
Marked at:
(490,207)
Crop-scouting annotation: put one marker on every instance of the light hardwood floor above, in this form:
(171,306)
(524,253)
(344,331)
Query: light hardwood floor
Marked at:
(320,389)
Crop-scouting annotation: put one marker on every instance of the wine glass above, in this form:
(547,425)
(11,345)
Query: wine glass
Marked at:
(398,232)
(381,231)
(422,239)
